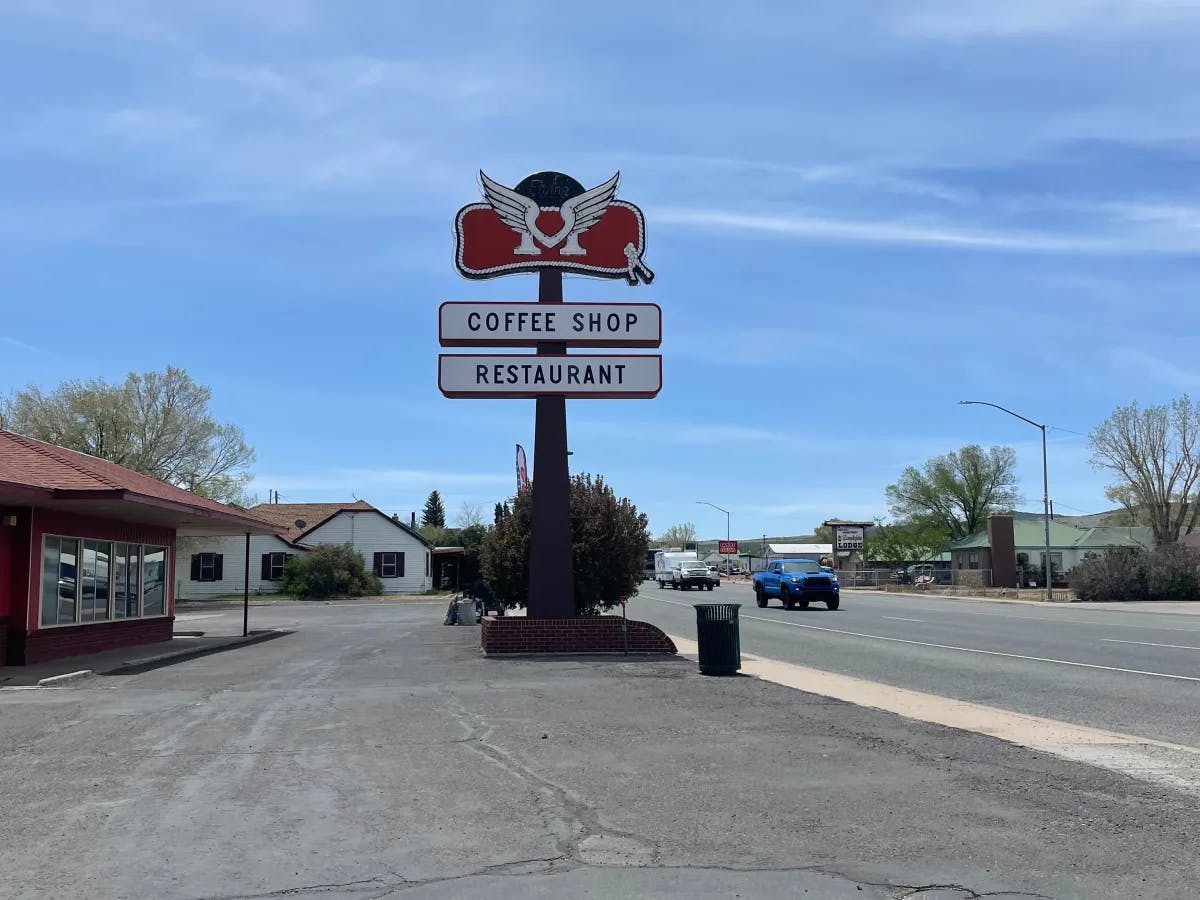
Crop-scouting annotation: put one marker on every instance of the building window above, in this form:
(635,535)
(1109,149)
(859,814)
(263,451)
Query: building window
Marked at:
(1056,558)
(972,560)
(208,567)
(85,581)
(154,580)
(127,568)
(388,565)
(272,565)
(58,581)
(94,581)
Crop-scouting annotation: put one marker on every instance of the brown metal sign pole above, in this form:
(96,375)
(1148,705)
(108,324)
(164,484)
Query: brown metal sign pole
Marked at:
(551,566)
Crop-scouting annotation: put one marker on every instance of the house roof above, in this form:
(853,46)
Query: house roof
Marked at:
(298,519)
(294,519)
(785,549)
(1029,531)
(31,469)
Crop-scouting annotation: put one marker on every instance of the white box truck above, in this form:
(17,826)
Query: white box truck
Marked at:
(681,569)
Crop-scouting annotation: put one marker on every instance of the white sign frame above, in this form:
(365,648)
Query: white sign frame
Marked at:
(502,324)
(630,376)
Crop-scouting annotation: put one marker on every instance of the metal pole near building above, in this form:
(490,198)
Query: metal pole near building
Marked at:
(246,591)
(721,509)
(1045,485)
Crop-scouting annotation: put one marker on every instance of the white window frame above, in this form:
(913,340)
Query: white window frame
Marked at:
(212,566)
(383,564)
(271,567)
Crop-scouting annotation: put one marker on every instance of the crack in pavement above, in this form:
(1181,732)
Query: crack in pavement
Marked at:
(549,865)
(575,825)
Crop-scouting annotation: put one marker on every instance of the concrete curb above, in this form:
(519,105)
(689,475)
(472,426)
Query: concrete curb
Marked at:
(56,680)
(136,666)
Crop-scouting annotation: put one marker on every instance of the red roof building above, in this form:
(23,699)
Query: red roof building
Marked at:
(86,550)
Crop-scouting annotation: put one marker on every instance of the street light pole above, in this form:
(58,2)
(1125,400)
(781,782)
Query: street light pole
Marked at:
(721,509)
(1045,485)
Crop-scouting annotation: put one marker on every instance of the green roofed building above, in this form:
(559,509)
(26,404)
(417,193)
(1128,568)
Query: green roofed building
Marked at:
(1069,544)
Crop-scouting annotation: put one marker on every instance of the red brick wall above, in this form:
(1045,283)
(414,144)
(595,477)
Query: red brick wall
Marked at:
(587,634)
(73,640)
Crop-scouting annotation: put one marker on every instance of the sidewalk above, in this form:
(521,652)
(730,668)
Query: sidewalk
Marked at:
(128,660)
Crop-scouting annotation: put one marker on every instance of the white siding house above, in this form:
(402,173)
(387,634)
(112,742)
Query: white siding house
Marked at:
(215,566)
(211,567)
(399,557)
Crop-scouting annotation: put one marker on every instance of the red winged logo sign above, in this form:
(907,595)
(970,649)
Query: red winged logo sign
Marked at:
(549,221)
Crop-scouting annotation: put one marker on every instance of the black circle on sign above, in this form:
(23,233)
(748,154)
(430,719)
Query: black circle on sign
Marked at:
(549,188)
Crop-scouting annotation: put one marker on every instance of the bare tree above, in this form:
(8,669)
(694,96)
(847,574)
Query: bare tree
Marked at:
(156,423)
(469,514)
(1156,453)
(956,492)
(678,535)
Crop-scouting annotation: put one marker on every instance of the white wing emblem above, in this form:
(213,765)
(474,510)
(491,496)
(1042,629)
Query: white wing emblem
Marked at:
(520,214)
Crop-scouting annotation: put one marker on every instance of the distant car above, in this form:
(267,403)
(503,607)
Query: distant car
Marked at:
(690,573)
(714,575)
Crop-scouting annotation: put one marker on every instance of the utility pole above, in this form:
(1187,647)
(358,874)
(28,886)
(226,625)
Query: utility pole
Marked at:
(1045,485)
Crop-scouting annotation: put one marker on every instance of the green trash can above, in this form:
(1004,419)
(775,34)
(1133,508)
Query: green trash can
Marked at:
(717,635)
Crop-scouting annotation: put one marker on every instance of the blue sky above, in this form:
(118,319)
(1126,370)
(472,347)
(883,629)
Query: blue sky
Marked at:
(858,213)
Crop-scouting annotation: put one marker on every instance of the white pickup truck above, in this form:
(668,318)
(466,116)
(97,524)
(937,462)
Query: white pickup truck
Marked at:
(681,570)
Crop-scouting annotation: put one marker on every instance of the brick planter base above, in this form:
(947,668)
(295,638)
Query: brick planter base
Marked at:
(30,647)
(586,634)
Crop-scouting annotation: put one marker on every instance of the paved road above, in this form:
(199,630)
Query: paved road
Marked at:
(1136,672)
(373,753)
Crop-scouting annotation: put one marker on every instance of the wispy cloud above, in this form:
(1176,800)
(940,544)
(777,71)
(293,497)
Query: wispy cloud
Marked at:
(804,227)
(363,481)
(979,18)
(667,432)
(13,342)
(1163,371)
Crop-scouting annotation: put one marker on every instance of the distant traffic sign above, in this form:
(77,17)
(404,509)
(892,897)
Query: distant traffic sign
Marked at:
(528,324)
(727,548)
(580,376)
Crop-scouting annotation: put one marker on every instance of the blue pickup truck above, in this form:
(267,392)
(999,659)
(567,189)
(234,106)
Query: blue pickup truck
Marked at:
(796,582)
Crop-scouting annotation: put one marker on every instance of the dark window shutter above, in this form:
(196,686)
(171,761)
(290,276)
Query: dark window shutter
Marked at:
(399,565)
(287,556)
(218,561)
(266,567)
(377,564)
(195,567)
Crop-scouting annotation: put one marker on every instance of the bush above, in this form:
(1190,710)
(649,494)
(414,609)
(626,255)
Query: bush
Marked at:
(1170,572)
(329,570)
(609,538)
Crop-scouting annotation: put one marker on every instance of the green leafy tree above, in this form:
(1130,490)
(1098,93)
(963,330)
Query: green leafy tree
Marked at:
(329,570)
(471,540)
(915,540)
(957,491)
(434,512)
(156,423)
(1155,452)
(498,514)
(609,538)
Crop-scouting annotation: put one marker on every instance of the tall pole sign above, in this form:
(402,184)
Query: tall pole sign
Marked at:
(550,224)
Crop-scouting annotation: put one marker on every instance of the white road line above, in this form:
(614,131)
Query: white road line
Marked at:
(895,640)
(191,617)
(1148,644)
(1056,616)
(901,619)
